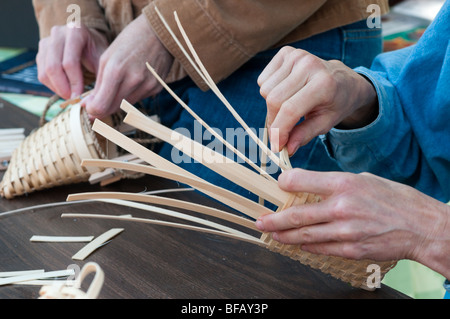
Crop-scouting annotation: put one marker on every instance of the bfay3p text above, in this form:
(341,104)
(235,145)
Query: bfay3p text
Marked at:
(227,308)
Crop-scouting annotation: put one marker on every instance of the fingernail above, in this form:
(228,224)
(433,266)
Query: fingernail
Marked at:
(295,151)
(274,146)
(260,225)
(275,139)
(275,236)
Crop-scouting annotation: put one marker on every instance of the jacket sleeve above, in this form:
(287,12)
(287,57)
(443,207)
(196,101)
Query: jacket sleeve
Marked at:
(226,34)
(51,13)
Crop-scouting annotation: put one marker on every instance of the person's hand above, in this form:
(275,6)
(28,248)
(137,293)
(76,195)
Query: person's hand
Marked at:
(362,216)
(123,73)
(64,54)
(297,84)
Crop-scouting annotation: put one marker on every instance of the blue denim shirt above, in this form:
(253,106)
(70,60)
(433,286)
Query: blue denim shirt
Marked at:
(409,142)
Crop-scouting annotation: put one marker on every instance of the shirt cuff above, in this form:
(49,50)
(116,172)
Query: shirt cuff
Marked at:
(369,133)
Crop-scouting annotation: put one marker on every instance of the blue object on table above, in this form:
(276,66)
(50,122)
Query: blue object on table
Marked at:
(19,75)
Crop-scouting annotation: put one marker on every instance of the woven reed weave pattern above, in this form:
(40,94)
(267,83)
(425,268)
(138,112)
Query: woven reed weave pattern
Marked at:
(51,155)
(354,272)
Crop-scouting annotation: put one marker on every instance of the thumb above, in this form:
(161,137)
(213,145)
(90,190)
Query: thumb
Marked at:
(307,130)
(87,103)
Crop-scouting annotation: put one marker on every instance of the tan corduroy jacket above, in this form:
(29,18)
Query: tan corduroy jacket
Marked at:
(225,34)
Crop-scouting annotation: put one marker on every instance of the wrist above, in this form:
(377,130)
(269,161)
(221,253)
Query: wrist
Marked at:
(366,110)
(433,251)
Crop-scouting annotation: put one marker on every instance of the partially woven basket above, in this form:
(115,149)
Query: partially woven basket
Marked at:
(51,155)
(354,272)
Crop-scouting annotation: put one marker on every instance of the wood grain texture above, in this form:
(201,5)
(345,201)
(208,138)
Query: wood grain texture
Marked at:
(148,261)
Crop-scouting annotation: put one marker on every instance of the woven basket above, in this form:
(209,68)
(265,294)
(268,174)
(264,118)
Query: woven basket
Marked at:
(51,155)
(354,272)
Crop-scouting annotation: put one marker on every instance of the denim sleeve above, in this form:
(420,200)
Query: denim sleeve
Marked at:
(387,147)
(408,141)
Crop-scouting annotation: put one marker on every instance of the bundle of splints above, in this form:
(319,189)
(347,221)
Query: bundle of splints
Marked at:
(253,179)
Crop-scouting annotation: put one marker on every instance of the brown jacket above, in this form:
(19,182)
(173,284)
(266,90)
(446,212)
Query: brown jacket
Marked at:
(225,34)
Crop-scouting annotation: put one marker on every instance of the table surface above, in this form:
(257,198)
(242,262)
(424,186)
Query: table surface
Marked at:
(149,261)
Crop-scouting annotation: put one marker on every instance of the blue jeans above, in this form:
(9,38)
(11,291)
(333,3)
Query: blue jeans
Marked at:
(355,45)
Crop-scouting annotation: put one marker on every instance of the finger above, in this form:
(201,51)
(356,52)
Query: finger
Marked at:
(53,66)
(307,130)
(274,138)
(96,45)
(112,91)
(74,46)
(298,236)
(281,73)
(293,110)
(132,85)
(99,103)
(315,104)
(106,90)
(143,91)
(286,89)
(282,121)
(322,232)
(305,181)
(274,65)
(295,218)
(349,250)
(281,87)
(87,100)
(274,94)
(40,62)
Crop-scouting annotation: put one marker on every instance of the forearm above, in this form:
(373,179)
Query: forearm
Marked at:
(434,252)
(368,109)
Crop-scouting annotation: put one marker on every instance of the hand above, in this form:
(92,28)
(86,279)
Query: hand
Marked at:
(63,55)
(363,216)
(297,84)
(123,73)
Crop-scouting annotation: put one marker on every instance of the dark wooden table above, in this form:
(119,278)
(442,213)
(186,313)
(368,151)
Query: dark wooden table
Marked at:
(147,261)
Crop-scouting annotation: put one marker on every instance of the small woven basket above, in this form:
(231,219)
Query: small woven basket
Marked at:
(51,156)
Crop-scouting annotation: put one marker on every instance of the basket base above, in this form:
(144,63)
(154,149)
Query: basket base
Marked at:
(355,272)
